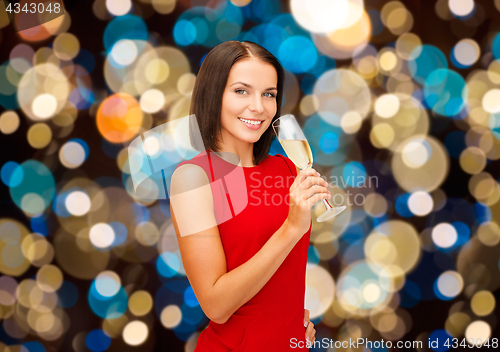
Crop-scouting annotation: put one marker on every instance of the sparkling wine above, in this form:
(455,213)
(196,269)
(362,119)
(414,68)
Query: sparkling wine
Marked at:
(298,151)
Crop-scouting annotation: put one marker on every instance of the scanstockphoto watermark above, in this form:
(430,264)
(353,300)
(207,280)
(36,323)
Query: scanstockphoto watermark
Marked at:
(260,191)
(354,344)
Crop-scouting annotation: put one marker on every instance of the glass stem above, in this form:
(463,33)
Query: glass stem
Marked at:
(325,202)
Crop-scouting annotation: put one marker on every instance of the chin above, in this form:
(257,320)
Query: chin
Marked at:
(251,139)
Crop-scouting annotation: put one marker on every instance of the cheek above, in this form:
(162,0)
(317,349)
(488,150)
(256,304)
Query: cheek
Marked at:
(272,107)
(232,105)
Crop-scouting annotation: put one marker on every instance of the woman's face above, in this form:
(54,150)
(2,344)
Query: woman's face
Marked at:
(250,94)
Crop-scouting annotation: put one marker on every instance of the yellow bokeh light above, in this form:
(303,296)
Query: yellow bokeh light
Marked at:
(309,105)
(457,323)
(66,46)
(168,6)
(444,235)
(342,43)
(171,316)
(107,283)
(49,278)
(382,135)
(450,283)
(478,330)
(472,160)
(102,235)
(320,289)
(240,3)
(388,60)
(461,7)
(420,203)
(135,333)
(140,303)
(489,233)
(351,122)
(393,243)
(406,45)
(483,303)
(118,7)
(152,101)
(467,52)
(185,84)
(9,122)
(39,135)
(491,101)
(77,203)
(420,162)
(323,16)
(157,71)
(72,155)
(124,52)
(44,106)
(387,105)
(399,21)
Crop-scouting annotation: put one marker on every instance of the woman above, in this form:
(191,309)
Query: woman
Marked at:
(246,266)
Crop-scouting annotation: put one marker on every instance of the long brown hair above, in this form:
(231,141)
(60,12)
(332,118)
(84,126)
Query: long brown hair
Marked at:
(206,101)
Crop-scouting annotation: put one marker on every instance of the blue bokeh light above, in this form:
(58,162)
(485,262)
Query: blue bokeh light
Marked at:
(438,338)
(124,27)
(32,346)
(445,92)
(11,174)
(184,32)
(298,54)
(190,297)
(424,60)
(97,341)
(108,307)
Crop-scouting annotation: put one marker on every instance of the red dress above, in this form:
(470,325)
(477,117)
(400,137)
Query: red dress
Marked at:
(248,214)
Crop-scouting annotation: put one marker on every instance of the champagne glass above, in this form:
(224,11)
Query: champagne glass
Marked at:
(297,148)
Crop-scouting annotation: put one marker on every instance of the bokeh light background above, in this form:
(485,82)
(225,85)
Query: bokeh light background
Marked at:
(404,94)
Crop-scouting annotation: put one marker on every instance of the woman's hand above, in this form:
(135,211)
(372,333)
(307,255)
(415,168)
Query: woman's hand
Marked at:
(305,191)
(310,331)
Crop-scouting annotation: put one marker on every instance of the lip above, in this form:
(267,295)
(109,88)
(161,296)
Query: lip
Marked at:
(249,119)
(252,127)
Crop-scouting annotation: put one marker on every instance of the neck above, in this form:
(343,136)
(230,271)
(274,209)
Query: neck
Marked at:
(243,150)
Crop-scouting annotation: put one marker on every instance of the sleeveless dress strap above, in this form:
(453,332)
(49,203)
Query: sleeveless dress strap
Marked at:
(210,163)
(224,191)
(288,166)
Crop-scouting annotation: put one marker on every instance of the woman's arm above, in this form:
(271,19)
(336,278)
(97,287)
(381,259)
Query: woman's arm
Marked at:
(220,293)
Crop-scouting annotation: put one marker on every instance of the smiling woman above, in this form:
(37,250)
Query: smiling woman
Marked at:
(245,260)
(236,76)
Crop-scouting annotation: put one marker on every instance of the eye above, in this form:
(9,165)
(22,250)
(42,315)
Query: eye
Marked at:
(271,95)
(240,90)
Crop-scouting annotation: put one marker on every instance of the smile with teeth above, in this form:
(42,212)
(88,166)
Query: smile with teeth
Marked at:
(250,121)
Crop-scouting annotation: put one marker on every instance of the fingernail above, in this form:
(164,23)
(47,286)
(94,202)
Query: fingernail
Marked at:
(318,173)
(307,338)
(305,324)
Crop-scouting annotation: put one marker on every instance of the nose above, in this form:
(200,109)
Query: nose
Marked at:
(256,105)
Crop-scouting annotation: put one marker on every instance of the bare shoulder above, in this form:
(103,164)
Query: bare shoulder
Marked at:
(188,177)
(191,196)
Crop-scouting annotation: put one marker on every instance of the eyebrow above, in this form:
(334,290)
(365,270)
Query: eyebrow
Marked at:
(249,86)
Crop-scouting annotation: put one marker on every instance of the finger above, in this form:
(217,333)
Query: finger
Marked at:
(317,197)
(306,315)
(301,176)
(313,180)
(309,330)
(316,190)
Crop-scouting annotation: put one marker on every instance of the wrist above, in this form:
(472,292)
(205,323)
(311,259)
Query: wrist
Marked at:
(290,230)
